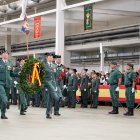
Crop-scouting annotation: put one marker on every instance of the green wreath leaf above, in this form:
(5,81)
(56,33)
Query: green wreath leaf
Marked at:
(24,82)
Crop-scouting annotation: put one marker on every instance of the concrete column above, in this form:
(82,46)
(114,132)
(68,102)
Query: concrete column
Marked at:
(8,37)
(8,43)
(60,43)
(102,57)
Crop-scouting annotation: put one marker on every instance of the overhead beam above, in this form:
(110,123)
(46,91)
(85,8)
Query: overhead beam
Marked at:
(31,16)
(81,4)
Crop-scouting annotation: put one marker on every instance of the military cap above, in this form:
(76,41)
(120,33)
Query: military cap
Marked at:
(4,51)
(57,56)
(67,68)
(114,63)
(130,65)
(49,54)
(20,59)
(85,70)
(73,69)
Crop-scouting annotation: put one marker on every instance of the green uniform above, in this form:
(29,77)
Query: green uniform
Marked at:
(22,99)
(5,84)
(14,92)
(113,81)
(84,90)
(95,91)
(130,77)
(50,87)
(59,83)
(72,88)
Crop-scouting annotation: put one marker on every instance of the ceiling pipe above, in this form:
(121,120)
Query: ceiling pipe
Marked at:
(16,6)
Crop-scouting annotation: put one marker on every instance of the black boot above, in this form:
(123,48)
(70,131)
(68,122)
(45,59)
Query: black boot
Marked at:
(127,112)
(3,117)
(131,112)
(114,111)
(22,112)
(111,111)
(57,114)
(48,116)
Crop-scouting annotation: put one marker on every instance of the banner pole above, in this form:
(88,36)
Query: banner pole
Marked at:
(27,45)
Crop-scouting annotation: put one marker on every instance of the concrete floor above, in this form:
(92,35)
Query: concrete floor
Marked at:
(74,124)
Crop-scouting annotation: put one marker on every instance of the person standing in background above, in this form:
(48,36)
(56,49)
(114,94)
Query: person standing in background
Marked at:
(115,82)
(72,88)
(84,88)
(95,89)
(130,83)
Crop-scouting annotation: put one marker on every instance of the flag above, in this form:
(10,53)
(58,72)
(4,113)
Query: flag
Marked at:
(25,27)
(37,27)
(24,6)
(88,16)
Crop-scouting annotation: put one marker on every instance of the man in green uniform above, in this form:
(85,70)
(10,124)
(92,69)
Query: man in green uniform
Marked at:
(115,82)
(72,88)
(50,86)
(5,82)
(22,98)
(84,88)
(130,82)
(59,81)
(95,89)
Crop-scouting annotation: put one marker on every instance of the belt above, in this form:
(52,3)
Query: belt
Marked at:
(128,85)
(114,84)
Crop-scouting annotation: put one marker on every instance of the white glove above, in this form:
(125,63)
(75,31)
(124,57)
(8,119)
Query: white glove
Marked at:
(46,89)
(95,91)
(64,86)
(117,89)
(133,90)
(85,90)
(56,89)
(15,82)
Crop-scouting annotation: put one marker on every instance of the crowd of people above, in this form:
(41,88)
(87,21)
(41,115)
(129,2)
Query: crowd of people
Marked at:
(61,86)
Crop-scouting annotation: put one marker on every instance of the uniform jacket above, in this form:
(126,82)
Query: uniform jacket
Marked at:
(129,78)
(84,82)
(6,73)
(95,85)
(72,83)
(50,83)
(114,76)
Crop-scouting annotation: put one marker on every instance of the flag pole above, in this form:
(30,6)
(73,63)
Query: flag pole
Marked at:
(27,45)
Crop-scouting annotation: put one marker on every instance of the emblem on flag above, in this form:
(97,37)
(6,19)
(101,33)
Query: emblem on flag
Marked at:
(25,27)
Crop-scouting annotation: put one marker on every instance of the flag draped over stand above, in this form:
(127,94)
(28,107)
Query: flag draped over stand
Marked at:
(88,16)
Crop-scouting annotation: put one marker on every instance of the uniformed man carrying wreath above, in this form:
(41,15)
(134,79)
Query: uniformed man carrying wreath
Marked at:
(115,82)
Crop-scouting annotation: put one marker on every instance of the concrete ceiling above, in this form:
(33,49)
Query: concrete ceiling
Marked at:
(103,13)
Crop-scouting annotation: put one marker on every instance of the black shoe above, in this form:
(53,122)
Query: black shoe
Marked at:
(57,114)
(3,117)
(8,106)
(131,112)
(125,114)
(95,107)
(48,116)
(22,113)
(114,111)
